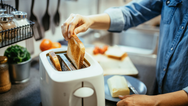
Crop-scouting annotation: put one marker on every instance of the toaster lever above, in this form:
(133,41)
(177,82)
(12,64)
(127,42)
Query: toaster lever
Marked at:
(84,92)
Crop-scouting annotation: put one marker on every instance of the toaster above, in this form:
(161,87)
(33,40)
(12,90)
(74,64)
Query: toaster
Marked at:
(79,87)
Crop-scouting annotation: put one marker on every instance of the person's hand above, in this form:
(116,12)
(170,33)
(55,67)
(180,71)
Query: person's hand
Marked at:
(74,25)
(135,100)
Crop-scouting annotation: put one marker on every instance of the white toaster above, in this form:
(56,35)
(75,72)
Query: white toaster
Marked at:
(82,87)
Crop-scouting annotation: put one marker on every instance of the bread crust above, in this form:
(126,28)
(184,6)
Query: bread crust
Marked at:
(55,60)
(116,53)
(118,58)
(76,51)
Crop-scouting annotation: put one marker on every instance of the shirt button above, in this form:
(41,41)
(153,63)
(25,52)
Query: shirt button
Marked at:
(168,2)
(182,27)
(164,69)
(172,48)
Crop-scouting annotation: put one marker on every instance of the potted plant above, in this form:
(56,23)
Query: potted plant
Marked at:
(19,63)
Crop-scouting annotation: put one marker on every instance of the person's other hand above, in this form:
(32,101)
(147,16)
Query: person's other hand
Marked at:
(135,100)
(74,25)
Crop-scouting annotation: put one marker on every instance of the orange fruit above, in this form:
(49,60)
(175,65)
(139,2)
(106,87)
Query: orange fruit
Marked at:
(56,45)
(45,44)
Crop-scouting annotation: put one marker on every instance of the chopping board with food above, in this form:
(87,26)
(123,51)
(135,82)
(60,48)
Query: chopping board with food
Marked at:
(113,61)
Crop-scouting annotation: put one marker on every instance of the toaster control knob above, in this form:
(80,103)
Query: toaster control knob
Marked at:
(83,92)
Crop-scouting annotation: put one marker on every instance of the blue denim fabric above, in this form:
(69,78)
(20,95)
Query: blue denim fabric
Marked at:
(172,59)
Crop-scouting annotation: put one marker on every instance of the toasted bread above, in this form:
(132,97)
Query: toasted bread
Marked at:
(55,60)
(116,53)
(76,51)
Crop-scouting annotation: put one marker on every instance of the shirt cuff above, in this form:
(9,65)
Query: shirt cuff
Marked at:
(185,89)
(117,21)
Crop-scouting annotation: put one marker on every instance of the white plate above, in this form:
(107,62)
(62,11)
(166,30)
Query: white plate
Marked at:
(137,84)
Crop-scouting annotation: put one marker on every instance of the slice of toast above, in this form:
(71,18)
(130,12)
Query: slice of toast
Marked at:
(76,51)
(55,60)
(116,53)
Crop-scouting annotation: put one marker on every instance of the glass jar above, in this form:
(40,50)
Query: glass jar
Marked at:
(5,84)
(2,10)
(20,18)
(7,23)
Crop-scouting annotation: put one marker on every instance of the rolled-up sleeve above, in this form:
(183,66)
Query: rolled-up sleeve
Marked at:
(117,21)
(133,14)
(186,89)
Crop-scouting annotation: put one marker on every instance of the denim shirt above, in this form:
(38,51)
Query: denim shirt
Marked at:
(172,57)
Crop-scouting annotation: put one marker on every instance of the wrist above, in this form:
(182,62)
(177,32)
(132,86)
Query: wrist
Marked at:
(155,100)
(99,21)
(91,20)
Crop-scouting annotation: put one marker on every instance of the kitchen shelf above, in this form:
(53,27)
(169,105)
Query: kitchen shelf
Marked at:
(17,34)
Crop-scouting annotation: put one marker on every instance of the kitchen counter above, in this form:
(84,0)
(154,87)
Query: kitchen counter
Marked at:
(28,94)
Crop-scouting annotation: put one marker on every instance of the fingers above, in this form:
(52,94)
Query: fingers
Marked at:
(73,24)
(65,27)
(127,100)
(81,28)
(123,96)
(123,102)
(120,103)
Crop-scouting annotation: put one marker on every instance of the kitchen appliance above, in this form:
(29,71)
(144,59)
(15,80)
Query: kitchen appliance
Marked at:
(79,87)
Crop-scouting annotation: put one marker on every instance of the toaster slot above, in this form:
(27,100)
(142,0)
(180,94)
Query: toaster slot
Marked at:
(85,63)
(65,63)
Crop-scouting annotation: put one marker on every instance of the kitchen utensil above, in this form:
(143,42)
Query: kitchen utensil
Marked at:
(139,86)
(57,16)
(53,28)
(17,4)
(132,88)
(37,29)
(46,19)
(82,87)
(2,4)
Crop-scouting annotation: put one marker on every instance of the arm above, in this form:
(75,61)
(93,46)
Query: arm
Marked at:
(101,21)
(77,23)
(178,98)
(133,14)
(116,19)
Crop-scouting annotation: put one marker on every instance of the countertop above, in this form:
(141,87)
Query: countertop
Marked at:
(28,94)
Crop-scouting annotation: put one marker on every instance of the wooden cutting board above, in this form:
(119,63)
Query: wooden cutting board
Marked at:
(112,66)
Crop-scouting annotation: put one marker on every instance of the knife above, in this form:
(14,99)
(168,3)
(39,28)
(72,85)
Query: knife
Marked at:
(132,88)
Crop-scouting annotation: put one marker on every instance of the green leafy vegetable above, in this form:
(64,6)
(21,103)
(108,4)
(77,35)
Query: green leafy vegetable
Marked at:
(17,54)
